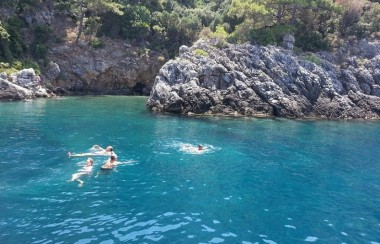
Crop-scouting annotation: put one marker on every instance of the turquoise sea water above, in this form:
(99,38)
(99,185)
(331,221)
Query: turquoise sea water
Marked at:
(258,181)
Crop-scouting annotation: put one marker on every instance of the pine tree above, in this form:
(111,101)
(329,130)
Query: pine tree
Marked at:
(96,7)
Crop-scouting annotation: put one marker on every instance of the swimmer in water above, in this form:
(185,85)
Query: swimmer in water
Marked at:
(111,163)
(97,151)
(86,170)
(200,147)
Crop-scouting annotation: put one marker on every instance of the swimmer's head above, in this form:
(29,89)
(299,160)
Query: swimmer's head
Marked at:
(109,149)
(90,161)
(113,157)
(200,147)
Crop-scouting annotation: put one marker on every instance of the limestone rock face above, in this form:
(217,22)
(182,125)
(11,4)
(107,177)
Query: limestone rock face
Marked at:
(116,69)
(40,14)
(22,85)
(288,41)
(264,81)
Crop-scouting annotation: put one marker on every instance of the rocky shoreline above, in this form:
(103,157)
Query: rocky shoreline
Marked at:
(251,80)
(206,79)
(116,69)
(22,85)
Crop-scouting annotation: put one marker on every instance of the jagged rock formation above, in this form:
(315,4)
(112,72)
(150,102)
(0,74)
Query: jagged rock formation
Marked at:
(266,81)
(24,84)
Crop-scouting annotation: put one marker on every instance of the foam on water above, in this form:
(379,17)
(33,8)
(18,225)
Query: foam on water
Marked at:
(311,239)
(188,148)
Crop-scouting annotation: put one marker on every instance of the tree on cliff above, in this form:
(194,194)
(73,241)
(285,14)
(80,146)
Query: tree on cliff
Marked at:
(94,7)
(266,21)
(4,44)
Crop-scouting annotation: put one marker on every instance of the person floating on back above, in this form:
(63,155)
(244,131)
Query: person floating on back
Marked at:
(96,151)
(86,170)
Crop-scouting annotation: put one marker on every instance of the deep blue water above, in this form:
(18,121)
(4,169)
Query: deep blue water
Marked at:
(260,181)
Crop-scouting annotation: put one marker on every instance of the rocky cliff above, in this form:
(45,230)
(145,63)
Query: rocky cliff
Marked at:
(117,68)
(268,81)
(114,66)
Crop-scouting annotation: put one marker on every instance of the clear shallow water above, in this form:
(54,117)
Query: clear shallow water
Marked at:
(260,181)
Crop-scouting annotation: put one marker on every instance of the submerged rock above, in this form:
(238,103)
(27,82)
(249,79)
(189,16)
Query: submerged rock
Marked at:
(264,81)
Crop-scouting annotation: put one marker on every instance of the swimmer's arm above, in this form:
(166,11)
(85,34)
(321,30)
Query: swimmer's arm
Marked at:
(97,147)
(87,154)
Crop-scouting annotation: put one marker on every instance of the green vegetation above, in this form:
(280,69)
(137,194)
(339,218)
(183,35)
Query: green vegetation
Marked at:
(96,8)
(5,51)
(15,66)
(313,58)
(201,52)
(12,45)
(97,43)
(38,47)
(167,24)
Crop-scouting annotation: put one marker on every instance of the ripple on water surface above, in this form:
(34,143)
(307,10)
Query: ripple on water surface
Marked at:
(256,181)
